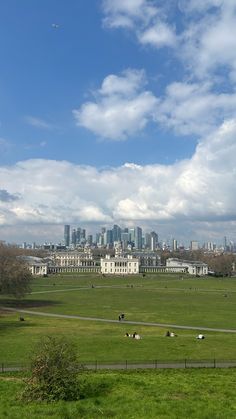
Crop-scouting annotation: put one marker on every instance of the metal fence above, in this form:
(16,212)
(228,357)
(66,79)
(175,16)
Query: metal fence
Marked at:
(132,365)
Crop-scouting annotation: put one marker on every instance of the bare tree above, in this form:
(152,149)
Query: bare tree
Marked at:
(15,277)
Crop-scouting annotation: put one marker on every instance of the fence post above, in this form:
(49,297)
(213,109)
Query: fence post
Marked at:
(185,363)
(96,365)
(2,367)
(214,362)
(126,364)
(156,363)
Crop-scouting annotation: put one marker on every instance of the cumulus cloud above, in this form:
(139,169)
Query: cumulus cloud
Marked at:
(205,41)
(193,108)
(145,18)
(122,106)
(201,189)
(158,35)
(209,38)
(124,13)
(205,44)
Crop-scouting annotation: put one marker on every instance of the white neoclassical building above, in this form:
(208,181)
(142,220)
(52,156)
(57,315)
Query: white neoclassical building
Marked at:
(120,265)
(72,258)
(37,266)
(191,267)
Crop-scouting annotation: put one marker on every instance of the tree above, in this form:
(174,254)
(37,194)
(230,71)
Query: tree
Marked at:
(15,277)
(222,264)
(54,372)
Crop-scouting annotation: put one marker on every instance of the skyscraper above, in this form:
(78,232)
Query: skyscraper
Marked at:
(132,235)
(78,235)
(148,241)
(138,238)
(116,231)
(109,237)
(154,240)
(194,245)
(83,235)
(73,237)
(174,245)
(90,239)
(67,235)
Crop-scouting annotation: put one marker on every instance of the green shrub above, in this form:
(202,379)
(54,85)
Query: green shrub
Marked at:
(54,371)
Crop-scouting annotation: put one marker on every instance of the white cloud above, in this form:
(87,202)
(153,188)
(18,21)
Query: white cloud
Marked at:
(122,107)
(209,39)
(199,5)
(145,18)
(193,108)
(205,42)
(128,84)
(125,13)
(38,122)
(200,190)
(158,35)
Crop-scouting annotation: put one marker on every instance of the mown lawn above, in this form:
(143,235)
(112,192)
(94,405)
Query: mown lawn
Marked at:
(195,394)
(155,298)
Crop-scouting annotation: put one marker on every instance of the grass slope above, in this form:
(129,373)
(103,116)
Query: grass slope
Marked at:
(195,394)
(156,298)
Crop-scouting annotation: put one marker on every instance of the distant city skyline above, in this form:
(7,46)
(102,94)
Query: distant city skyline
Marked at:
(123,113)
(75,236)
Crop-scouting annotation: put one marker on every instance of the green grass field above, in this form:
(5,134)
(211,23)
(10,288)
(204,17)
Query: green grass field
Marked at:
(175,394)
(158,298)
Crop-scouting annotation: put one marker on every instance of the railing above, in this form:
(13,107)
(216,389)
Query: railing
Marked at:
(132,365)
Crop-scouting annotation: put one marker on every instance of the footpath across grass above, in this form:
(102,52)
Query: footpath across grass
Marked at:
(107,342)
(161,298)
(175,394)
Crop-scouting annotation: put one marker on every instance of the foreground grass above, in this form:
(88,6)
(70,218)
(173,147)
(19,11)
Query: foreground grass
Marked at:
(195,394)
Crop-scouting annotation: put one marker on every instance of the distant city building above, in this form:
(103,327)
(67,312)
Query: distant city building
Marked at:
(154,240)
(116,233)
(174,245)
(132,235)
(90,239)
(225,243)
(210,246)
(147,241)
(74,237)
(67,235)
(138,238)
(124,239)
(109,238)
(194,245)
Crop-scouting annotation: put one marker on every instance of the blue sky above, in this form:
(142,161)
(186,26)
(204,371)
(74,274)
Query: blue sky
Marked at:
(124,113)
